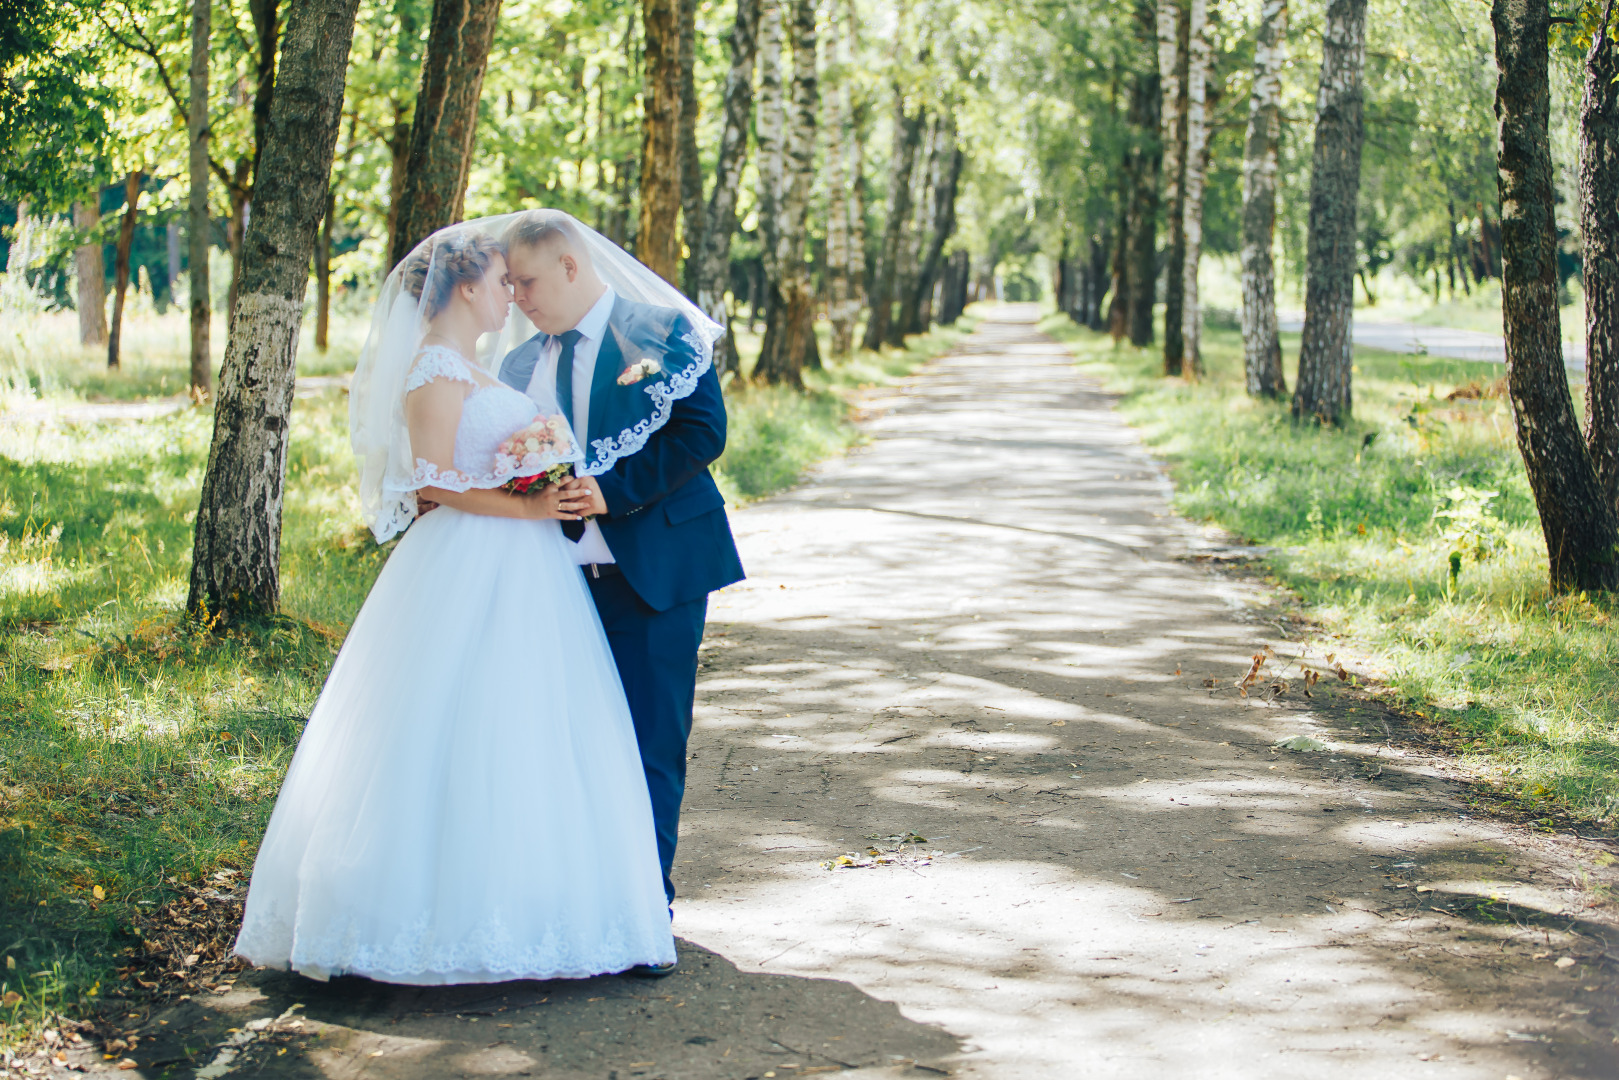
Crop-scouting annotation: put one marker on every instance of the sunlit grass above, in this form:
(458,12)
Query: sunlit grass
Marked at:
(1412,530)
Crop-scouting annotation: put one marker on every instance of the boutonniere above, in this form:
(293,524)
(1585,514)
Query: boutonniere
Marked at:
(638,371)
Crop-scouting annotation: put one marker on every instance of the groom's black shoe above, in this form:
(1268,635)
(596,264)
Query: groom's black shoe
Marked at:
(652,971)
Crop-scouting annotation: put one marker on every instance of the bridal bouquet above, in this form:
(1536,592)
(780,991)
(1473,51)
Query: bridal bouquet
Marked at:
(546,437)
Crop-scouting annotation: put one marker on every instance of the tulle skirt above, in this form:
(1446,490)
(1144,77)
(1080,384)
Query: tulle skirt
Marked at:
(467,803)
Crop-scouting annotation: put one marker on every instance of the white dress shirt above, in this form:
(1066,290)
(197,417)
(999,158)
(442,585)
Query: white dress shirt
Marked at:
(592,547)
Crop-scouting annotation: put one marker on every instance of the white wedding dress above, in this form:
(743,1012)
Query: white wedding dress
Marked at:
(467,803)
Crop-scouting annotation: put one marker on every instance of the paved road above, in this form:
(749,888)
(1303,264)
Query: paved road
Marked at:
(1403,337)
(978,648)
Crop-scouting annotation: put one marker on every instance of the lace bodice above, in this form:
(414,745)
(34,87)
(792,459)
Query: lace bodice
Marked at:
(490,415)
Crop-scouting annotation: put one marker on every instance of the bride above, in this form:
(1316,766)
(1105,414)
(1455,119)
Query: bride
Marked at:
(467,803)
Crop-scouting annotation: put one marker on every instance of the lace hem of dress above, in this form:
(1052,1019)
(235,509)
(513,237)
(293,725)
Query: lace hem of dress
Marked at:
(606,452)
(490,949)
(438,362)
(507,468)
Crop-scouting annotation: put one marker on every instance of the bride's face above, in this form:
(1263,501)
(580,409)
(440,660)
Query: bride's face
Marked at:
(491,298)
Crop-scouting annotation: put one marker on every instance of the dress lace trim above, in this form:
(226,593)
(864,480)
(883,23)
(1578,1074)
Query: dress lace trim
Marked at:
(438,362)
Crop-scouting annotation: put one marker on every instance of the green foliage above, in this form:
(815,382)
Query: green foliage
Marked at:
(1412,531)
(53,105)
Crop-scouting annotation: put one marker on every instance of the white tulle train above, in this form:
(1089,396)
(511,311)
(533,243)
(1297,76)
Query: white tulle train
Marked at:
(467,803)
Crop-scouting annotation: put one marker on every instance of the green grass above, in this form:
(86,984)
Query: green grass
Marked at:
(1412,531)
(139,750)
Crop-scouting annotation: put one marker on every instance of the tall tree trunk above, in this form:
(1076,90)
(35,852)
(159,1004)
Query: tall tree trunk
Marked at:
(171,256)
(1326,353)
(1192,187)
(120,262)
(1118,309)
(691,162)
(445,122)
(240,188)
(323,274)
(1100,244)
(790,346)
(720,224)
(235,566)
(1146,160)
(1261,346)
(946,178)
(1599,229)
(770,128)
(907,137)
(91,273)
(859,124)
(915,233)
(839,311)
(1173,24)
(1576,514)
(197,222)
(657,243)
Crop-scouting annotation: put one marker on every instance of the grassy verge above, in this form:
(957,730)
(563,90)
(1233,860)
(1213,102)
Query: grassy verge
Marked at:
(140,752)
(1412,531)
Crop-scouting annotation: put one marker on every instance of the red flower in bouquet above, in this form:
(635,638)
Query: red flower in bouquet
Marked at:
(547,438)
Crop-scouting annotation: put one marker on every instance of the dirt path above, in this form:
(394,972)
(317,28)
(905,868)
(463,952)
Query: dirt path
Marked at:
(984,629)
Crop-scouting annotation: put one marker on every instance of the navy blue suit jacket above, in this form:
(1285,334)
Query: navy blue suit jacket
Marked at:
(665,522)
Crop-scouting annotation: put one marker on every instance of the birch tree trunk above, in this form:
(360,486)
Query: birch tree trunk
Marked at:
(769,129)
(691,162)
(1325,355)
(839,311)
(120,262)
(859,117)
(1141,286)
(1576,515)
(1261,346)
(91,272)
(946,178)
(445,122)
(1599,230)
(907,137)
(657,243)
(1196,165)
(720,223)
(789,344)
(1173,23)
(197,221)
(915,234)
(235,566)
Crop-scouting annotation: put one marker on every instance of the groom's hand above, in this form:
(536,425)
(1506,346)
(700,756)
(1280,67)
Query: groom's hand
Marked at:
(582,496)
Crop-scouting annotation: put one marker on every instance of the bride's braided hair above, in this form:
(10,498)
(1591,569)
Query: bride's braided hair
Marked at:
(456,258)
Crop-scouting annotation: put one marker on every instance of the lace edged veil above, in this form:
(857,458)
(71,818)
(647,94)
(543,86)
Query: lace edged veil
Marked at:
(661,341)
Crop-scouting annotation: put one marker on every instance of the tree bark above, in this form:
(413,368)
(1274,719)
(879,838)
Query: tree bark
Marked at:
(907,137)
(197,221)
(946,178)
(1196,167)
(235,570)
(657,242)
(1146,159)
(323,274)
(840,312)
(720,223)
(770,129)
(1101,243)
(1599,230)
(915,233)
(1261,345)
(445,122)
(1173,25)
(789,345)
(91,273)
(1325,356)
(691,162)
(120,262)
(858,127)
(1576,515)
(1118,308)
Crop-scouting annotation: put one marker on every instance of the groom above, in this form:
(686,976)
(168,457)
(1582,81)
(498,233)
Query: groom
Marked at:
(656,540)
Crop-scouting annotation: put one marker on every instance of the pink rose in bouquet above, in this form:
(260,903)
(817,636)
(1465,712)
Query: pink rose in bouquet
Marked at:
(547,437)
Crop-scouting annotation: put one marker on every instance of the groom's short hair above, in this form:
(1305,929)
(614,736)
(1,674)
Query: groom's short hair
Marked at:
(543,228)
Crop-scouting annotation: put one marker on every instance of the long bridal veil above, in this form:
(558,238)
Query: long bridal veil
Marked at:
(662,357)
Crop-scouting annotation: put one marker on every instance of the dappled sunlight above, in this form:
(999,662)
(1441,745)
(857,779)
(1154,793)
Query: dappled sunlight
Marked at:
(1069,838)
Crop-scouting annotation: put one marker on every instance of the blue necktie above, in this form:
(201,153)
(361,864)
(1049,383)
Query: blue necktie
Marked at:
(573,530)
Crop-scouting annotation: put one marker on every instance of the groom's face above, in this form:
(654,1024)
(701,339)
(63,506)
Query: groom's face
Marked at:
(547,286)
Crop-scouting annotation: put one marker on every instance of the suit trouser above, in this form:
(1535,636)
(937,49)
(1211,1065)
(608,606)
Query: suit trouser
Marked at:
(656,654)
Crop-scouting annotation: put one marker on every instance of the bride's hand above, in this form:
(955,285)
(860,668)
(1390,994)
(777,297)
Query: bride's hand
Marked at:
(545,505)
